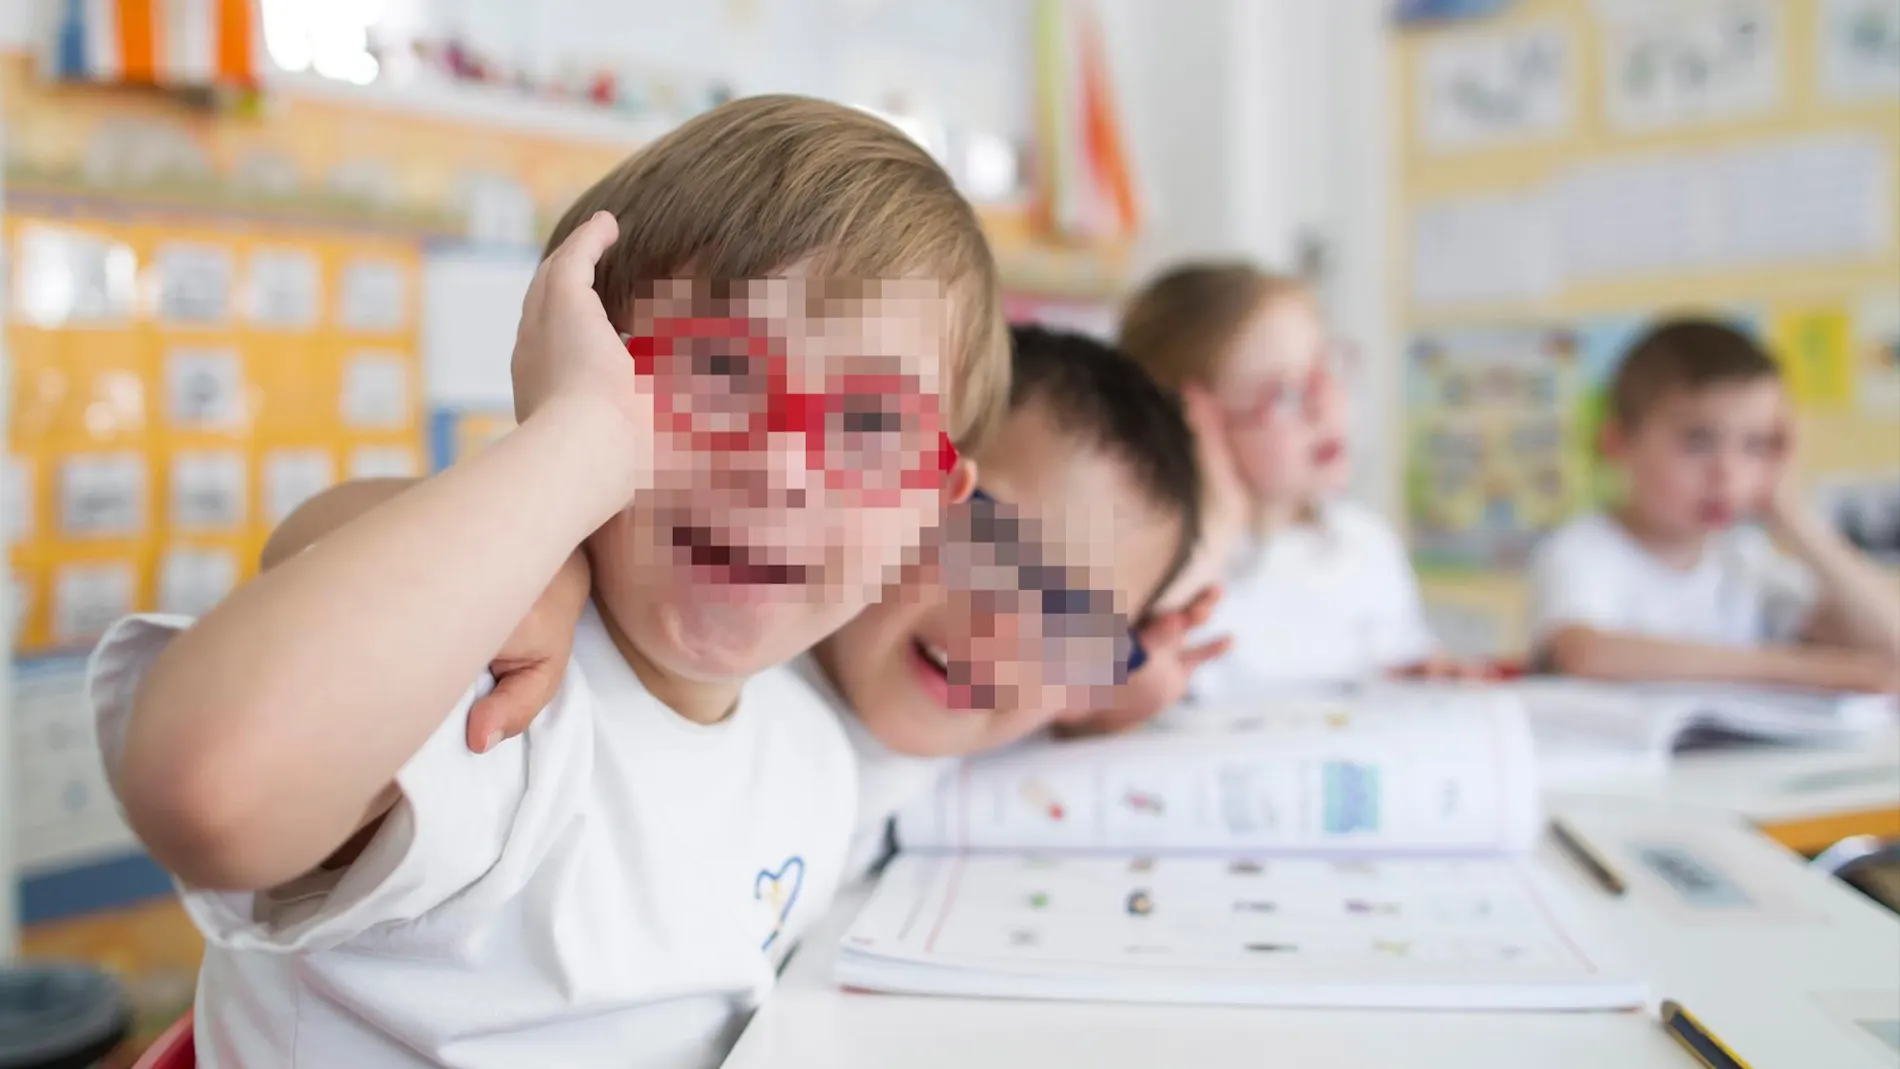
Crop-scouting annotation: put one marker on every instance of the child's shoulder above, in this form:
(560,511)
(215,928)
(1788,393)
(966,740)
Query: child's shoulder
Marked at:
(1360,523)
(1593,535)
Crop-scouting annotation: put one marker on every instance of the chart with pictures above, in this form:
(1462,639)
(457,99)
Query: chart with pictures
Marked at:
(1303,920)
(1493,454)
(178,388)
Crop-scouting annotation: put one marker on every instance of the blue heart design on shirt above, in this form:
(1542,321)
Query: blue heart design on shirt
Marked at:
(780,888)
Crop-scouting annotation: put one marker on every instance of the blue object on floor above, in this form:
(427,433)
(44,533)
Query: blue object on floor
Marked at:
(59,1017)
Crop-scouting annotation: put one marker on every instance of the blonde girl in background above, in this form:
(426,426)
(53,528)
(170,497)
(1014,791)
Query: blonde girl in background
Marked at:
(1318,589)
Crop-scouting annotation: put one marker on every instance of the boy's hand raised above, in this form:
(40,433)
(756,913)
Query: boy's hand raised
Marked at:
(1162,681)
(568,355)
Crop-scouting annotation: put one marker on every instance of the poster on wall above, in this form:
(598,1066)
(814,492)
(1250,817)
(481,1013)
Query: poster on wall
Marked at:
(1495,87)
(1814,346)
(1859,43)
(1493,458)
(1675,64)
(1876,357)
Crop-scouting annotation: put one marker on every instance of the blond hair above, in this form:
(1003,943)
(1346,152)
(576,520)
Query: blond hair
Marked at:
(759,184)
(1182,324)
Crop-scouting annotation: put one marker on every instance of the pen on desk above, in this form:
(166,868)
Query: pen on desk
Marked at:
(1711,1052)
(1580,852)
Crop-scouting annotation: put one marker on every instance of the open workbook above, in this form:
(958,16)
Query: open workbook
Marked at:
(1659,718)
(1315,852)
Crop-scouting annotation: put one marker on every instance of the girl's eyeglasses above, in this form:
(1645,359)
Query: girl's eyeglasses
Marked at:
(1300,397)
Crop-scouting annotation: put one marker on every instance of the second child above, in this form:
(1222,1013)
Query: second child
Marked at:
(1318,589)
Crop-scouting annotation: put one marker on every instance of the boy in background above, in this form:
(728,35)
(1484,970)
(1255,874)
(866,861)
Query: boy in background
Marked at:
(810,317)
(1670,586)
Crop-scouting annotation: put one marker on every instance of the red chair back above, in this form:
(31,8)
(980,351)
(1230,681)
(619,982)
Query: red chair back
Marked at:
(172,1050)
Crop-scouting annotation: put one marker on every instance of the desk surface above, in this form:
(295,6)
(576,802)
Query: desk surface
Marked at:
(1753,979)
(1805,799)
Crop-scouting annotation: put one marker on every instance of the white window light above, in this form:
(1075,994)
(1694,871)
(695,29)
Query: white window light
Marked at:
(989,167)
(928,134)
(329,37)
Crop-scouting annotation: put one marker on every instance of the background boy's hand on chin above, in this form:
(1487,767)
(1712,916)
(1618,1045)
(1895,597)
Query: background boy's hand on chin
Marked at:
(569,357)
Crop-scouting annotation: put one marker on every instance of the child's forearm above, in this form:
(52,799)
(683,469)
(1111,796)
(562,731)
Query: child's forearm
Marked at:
(1609,655)
(1860,604)
(326,512)
(263,736)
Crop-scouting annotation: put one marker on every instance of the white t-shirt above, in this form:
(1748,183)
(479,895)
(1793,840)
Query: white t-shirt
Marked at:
(1742,592)
(887,780)
(616,887)
(1326,602)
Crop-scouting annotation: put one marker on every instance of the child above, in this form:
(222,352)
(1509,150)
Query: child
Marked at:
(616,887)
(1103,462)
(1094,456)
(1318,589)
(1669,586)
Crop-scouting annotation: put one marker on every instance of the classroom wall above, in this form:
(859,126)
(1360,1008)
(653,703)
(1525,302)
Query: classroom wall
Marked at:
(965,63)
(1560,181)
(1258,131)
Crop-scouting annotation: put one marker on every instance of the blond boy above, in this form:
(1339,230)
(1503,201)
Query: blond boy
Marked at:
(809,315)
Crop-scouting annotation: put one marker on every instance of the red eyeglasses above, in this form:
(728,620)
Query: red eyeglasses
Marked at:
(733,391)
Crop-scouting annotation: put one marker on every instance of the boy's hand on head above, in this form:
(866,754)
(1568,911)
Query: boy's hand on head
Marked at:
(1163,680)
(569,356)
(531,666)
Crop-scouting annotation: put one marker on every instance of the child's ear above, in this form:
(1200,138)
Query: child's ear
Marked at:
(1613,439)
(962,482)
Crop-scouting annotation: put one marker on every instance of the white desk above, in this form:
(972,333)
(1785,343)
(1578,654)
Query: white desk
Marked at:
(1748,977)
(1805,799)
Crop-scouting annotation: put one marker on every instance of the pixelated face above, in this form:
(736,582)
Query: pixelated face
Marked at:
(1020,610)
(1700,460)
(1276,386)
(800,448)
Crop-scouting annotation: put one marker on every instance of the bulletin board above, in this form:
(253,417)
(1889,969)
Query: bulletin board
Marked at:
(1570,169)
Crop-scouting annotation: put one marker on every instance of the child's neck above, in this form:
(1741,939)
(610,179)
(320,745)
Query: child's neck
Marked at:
(700,702)
(1272,517)
(1673,549)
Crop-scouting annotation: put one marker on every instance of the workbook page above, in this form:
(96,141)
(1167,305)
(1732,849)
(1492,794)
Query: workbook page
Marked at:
(1429,770)
(1412,932)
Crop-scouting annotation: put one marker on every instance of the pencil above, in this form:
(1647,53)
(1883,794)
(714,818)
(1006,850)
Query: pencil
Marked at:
(1709,1051)
(1580,852)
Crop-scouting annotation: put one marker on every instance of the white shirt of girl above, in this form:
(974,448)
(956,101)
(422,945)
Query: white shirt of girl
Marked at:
(615,887)
(1319,603)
